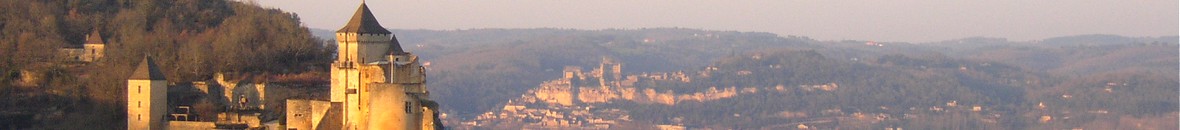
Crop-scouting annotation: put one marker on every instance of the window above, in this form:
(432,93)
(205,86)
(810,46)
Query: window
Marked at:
(138,117)
(138,104)
(409,108)
(138,89)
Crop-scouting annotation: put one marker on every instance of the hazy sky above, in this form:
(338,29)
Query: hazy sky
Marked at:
(879,20)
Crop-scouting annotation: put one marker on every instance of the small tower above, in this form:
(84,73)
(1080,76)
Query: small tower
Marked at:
(147,97)
(94,47)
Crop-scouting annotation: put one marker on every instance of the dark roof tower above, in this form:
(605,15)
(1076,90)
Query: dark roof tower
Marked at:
(94,38)
(395,47)
(363,22)
(148,70)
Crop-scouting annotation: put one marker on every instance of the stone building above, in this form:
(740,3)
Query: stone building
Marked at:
(375,84)
(147,97)
(94,47)
(90,51)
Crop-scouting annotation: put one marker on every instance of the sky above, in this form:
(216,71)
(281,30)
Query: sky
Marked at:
(873,20)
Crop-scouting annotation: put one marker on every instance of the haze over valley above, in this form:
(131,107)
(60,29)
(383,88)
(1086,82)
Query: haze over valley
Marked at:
(199,64)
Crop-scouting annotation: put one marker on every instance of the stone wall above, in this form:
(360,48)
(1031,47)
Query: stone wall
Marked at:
(190,125)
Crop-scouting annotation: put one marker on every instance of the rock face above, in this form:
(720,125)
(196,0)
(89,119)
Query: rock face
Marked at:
(555,92)
(599,86)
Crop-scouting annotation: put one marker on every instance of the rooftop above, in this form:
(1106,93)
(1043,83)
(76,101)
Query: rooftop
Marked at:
(363,22)
(148,70)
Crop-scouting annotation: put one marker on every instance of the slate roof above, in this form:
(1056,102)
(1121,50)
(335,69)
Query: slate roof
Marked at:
(148,70)
(94,38)
(395,47)
(363,22)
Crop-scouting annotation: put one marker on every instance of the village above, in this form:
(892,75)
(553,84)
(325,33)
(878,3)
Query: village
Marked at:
(572,101)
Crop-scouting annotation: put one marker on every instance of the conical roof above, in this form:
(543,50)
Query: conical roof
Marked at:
(148,70)
(395,47)
(94,38)
(363,22)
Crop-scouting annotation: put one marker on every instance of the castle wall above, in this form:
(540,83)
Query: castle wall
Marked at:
(370,74)
(72,54)
(407,70)
(93,52)
(299,114)
(364,48)
(190,125)
(398,110)
(427,119)
(331,117)
(254,94)
(557,92)
(309,114)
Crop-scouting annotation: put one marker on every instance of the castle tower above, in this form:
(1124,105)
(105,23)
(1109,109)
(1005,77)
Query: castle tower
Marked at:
(377,84)
(94,47)
(610,70)
(362,41)
(147,97)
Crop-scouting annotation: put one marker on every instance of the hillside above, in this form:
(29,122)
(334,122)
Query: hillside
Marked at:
(189,39)
(780,88)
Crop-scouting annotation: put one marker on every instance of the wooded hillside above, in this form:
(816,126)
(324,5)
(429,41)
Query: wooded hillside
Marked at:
(189,39)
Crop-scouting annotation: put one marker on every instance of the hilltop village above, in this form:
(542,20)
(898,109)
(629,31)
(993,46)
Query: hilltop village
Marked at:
(569,101)
(375,84)
(580,99)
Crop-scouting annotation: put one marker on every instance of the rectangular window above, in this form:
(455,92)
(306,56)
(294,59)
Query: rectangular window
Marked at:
(350,91)
(138,89)
(409,108)
(138,104)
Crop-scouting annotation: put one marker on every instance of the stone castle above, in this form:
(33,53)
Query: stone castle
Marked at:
(375,84)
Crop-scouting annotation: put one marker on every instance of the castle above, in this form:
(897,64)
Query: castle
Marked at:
(375,84)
